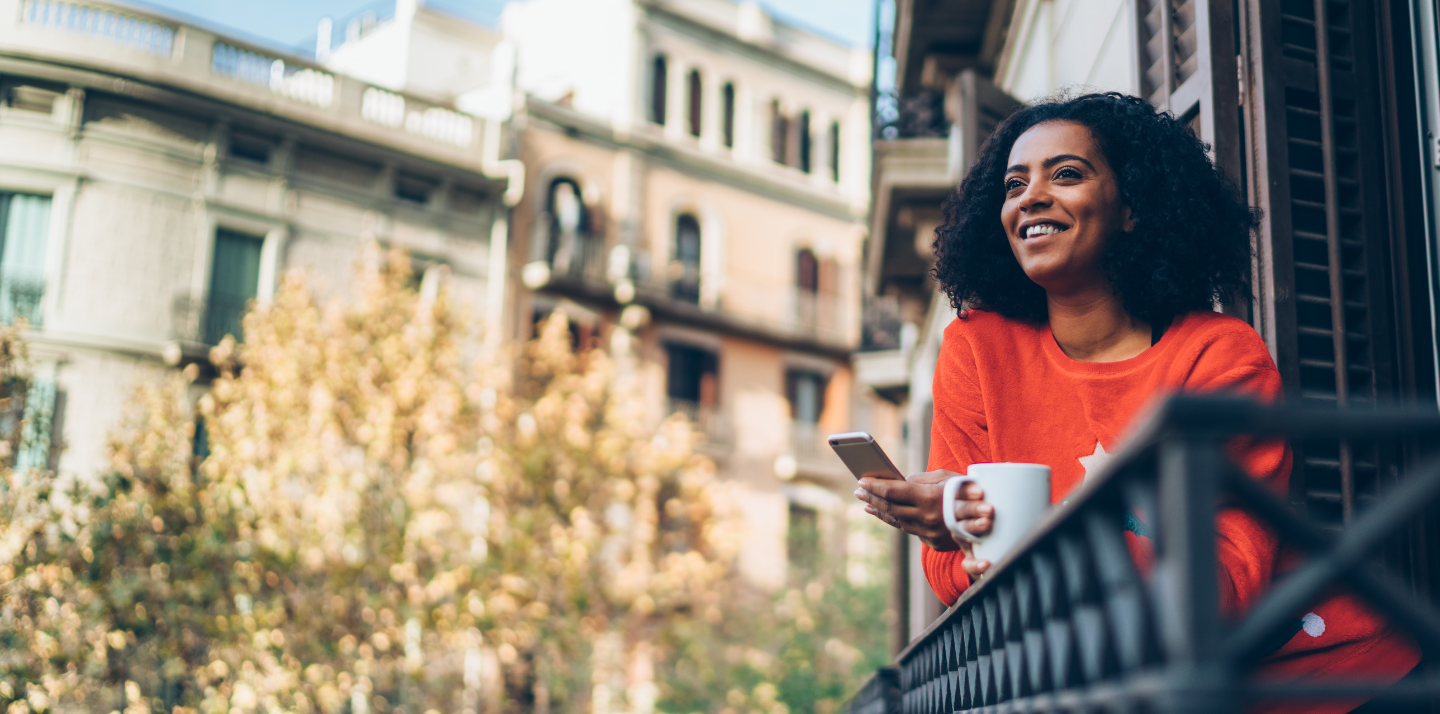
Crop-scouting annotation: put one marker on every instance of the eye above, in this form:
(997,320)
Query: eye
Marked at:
(1068,173)
(1012,184)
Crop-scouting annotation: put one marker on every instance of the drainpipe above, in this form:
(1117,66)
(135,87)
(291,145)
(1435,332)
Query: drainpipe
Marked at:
(513,170)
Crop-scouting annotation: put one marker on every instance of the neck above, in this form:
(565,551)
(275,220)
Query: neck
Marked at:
(1095,327)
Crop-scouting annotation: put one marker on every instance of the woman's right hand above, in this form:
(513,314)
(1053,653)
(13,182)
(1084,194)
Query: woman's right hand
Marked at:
(976,516)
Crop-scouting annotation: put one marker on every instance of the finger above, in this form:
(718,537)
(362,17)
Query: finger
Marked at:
(973,492)
(976,526)
(965,510)
(974,566)
(884,517)
(888,489)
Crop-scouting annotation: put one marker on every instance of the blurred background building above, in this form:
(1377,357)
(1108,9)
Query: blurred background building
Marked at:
(1324,114)
(155,178)
(698,170)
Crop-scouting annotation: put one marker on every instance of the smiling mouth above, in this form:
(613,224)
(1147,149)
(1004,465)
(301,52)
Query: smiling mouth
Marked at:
(1044,229)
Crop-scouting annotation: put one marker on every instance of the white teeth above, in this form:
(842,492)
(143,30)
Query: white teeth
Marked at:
(1042,229)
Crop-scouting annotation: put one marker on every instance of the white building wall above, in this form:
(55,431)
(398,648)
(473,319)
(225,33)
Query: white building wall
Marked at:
(1069,46)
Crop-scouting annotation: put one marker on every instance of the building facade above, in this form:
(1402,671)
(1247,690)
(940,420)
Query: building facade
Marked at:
(1324,114)
(156,178)
(696,173)
(699,172)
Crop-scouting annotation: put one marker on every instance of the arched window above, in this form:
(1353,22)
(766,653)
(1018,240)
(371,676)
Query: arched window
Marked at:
(779,133)
(803,143)
(569,250)
(835,151)
(685,266)
(727,126)
(657,91)
(694,90)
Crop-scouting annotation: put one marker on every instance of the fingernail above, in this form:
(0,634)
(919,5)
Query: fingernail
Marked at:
(860,493)
(871,510)
(986,509)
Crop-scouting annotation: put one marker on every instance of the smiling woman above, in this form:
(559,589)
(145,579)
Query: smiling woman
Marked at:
(1085,252)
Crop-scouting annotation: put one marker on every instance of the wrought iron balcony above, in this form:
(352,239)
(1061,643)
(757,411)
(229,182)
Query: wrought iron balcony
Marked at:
(20,297)
(711,423)
(1067,623)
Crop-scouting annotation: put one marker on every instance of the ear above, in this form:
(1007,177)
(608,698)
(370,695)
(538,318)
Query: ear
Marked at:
(1128,219)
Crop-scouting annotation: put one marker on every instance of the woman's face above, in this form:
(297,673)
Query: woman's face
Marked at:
(1062,207)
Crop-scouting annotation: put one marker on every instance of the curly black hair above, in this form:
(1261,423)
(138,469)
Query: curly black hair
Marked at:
(1190,244)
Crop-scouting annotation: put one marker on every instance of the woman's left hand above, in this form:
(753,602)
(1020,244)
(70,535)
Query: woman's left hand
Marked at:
(912,505)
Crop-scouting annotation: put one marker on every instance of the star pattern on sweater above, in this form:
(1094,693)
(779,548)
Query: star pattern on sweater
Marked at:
(1095,462)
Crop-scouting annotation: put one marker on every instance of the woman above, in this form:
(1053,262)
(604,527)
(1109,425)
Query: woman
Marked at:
(1089,243)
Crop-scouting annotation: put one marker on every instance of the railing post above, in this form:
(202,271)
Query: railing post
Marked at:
(1189,602)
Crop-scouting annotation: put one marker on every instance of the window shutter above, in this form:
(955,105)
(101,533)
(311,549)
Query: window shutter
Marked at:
(1186,52)
(234,281)
(1324,304)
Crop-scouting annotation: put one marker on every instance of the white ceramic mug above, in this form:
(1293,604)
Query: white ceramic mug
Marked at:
(1020,494)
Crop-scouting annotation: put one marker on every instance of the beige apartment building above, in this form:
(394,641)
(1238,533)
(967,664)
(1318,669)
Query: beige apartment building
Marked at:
(156,178)
(697,174)
(698,171)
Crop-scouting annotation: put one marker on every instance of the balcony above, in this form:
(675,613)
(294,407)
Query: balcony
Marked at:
(712,424)
(813,458)
(20,297)
(750,305)
(207,321)
(119,40)
(1066,622)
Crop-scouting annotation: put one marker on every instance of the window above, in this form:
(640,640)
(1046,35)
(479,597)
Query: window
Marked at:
(803,141)
(250,148)
(413,189)
(685,267)
(802,542)
(234,281)
(805,391)
(570,248)
(835,151)
(807,287)
(779,133)
(727,126)
(692,376)
(657,91)
(694,102)
(24,233)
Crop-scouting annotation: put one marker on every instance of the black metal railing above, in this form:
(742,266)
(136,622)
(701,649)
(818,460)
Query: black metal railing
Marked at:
(911,116)
(1067,622)
(20,297)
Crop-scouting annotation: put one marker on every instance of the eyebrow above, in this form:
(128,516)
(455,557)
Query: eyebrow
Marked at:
(1022,168)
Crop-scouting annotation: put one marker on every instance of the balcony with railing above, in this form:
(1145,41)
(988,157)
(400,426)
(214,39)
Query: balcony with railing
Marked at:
(20,297)
(1068,622)
(206,321)
(711,423)
(755,304)
(136,45)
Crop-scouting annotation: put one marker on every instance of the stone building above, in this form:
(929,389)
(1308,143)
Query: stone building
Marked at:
(157,177)
(698,171)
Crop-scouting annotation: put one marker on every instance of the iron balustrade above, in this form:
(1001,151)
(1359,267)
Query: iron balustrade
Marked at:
(1067,622)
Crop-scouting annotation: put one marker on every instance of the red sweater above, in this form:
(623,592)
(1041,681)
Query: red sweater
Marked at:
(1004,391)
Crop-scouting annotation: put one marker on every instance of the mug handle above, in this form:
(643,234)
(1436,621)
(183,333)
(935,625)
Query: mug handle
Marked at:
(947,509)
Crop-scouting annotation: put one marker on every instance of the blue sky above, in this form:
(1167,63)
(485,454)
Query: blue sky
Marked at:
(291,23)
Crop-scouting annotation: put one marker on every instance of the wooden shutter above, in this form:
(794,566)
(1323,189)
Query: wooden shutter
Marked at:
(1324,295)
(234,281)
(1186,51)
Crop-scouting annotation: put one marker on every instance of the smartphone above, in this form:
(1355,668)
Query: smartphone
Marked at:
(864,457)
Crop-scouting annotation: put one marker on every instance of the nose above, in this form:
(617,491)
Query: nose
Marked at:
(1036,195)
